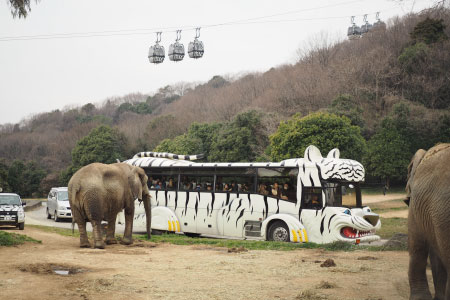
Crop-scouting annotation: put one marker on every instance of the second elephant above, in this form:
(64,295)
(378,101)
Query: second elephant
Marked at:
(428,190)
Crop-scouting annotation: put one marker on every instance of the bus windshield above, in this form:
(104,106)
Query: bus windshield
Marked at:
(343,194)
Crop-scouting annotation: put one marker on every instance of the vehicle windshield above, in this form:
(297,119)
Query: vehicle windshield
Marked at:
(10,200)
(343,194)
(63,196)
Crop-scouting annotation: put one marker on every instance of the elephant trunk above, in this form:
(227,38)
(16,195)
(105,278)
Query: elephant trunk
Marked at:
(148,215)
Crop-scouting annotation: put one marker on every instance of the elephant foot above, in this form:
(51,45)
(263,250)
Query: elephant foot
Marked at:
(99,245)
(85,244)
(110,241)
(126,241)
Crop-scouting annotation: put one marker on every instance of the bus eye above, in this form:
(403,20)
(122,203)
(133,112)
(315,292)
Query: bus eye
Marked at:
(368,210)
(347,212)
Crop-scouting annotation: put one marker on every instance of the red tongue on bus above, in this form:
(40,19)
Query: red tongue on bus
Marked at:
(349,232)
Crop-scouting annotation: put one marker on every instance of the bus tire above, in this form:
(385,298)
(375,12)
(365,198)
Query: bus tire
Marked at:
(278,232)
(191,234)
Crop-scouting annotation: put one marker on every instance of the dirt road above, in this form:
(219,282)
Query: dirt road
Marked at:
(164,271)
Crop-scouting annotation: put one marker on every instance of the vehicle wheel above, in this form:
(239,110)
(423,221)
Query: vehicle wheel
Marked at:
(21,226)
(55,217)
(192,235)
(49,216)
(278,232)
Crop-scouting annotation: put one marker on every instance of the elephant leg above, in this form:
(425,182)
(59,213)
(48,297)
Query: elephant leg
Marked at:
(418,256)
(111,229)
(439,275)
(81,223)
(127,235)
(98,234)
(84,241)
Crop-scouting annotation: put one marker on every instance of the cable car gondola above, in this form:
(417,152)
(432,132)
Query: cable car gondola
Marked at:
(379,23)
(196,48)
(176,50)
(366,27)
(354,31)
(156,53)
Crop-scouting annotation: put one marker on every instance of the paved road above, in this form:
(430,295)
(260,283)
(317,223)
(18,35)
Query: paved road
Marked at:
(38,216)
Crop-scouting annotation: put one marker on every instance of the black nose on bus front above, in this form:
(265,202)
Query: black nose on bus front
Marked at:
(372,218)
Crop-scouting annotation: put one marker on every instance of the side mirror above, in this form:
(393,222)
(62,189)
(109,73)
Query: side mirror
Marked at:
(24,204)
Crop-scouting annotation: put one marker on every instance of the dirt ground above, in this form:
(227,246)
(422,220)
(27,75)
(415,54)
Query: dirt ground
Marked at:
(164,271)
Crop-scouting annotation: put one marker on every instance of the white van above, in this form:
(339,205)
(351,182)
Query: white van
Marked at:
(58,206)
(11,210)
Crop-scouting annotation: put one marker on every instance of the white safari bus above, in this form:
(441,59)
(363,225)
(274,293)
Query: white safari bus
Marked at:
(310,199)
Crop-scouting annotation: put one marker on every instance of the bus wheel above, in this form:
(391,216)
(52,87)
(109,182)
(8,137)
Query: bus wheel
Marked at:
(278,232)
(191,234)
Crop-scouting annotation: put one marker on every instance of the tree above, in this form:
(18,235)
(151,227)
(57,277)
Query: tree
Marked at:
(25,179)
(4,176)
(326,131)
(345,105)
(20,8)
(103,144)
(429,31)
(388,153)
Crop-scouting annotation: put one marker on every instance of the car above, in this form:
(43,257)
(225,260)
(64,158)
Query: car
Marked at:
(58,206)
(11,210)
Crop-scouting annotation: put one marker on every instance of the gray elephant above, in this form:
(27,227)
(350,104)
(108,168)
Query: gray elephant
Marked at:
(98,192)
(428,192)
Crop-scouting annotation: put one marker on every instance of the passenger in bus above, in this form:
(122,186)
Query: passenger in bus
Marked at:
(226,188)
(315,202)
(275,191)
(209,187)
(198,187)
(187,186)
(170,185)
(243,188)
(234,187)
(158,185)
(284,193)
(262,189)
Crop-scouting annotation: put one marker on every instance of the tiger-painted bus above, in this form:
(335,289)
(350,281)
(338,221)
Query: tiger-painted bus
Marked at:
(310,199)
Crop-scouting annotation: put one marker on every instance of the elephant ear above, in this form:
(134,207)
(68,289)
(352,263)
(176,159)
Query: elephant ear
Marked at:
(135,183)
(415,161)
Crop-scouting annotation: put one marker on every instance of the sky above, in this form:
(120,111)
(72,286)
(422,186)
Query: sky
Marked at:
(44,73)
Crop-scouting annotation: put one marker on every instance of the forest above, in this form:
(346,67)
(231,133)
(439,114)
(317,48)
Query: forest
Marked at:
(378,98)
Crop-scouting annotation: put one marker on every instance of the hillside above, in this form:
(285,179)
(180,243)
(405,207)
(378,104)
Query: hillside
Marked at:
(397,72)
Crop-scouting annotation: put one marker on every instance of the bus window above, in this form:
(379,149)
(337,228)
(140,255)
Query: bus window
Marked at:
(278,182)
(351,195)
(163,182)
(342,194)
(333,194)
(235,184)
(196,183)
(312,197)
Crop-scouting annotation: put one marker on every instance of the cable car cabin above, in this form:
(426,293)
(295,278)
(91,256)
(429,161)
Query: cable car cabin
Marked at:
(354,32)
(365,28)
(156,54)
(311,199)
(379,24)
(196,49)
(176,51)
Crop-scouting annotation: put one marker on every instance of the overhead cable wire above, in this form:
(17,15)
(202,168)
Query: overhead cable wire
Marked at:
(147,31)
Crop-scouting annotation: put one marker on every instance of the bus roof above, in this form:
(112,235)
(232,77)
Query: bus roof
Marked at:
(331,167)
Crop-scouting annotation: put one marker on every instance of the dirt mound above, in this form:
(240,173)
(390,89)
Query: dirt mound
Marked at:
(367,258)
(237,250)
(55,269)
(328,263)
